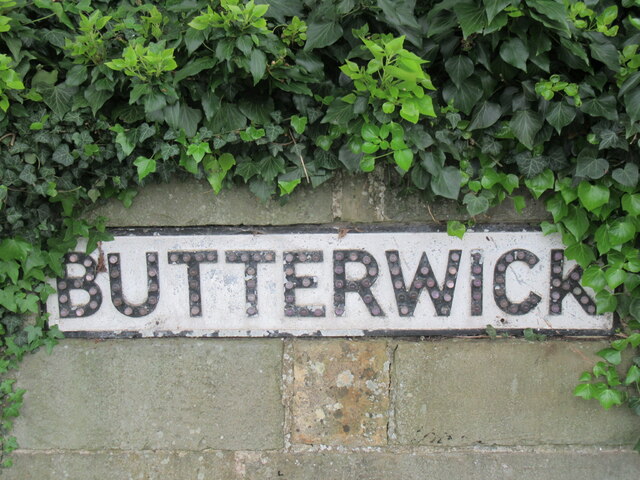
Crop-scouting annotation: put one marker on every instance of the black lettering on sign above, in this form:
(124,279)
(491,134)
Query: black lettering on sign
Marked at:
(84,282)
(500,282)
(153,287)
(251,259)
(292,282)
(476,283)
(441,298)
(560,287)
(193,259)
(362,286)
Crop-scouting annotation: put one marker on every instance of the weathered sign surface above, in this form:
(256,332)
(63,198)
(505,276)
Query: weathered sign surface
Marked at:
(276,282)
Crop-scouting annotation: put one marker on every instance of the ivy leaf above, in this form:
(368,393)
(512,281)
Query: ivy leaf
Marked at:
(556,206)
(257,110)
(560,114)
(76,75)
(459,68)
(33,332)
(193,39)
(181,116)
(14,249)
(349,159)
(124,139)
(456,228)
(631,203)
(62,156)
(198,150)
(632,104)
(591,167)
(96,98)
(531,166)
(577,223)
(247,170)
(399,13)
(471,17)
(154,101)
(145,166)
(226,118)
(8,300)
(602,239)
(525,124)
(57,9)
(419,177)
(627,176)
(633,375)
(515,53)
(519,203)
(404,158)
(59,98)
(606,53)
(485,116)
(610,139)
(447,183)
(475,204)
(410,112)
(594,277)
(339,113)
(257,65)
(621,231)
(28,175)
(584,390)
(299,124)
(611,355)
(540,183)
(494,7)
(322,34)
(603,106)
(193,68)
(592,196)
(261,189)
(581,253)
(271,166)
(144,132)
(464,97)
(279,9)
(609,397)
(286,187)
(169,150)
(272,132)
(552,10)
(615,277)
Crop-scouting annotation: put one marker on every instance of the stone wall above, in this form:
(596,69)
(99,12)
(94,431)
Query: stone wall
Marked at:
(382,408)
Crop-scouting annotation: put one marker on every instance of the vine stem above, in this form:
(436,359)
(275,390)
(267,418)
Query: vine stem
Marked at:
(431,214)
(304,167)
(40,19)
(7,135)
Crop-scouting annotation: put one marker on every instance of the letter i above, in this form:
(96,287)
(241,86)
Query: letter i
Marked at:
(476,283)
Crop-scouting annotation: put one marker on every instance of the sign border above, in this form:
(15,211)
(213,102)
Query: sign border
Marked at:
(351,229)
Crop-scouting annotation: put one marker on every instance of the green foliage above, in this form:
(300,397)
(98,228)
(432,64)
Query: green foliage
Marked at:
(98,98)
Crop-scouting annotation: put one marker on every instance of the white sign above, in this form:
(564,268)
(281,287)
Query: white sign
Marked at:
(308,283)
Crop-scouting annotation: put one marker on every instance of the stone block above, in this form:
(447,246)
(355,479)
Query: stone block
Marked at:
(502,392)
(341,392)
(192,203)
(359,198)
(180,393)
(445,465)
(146,465)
